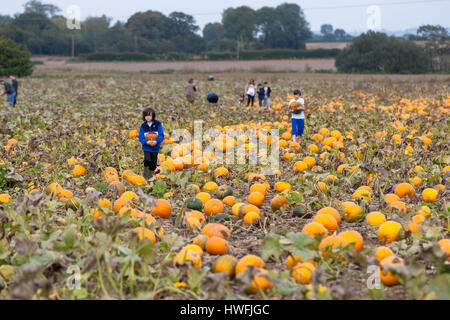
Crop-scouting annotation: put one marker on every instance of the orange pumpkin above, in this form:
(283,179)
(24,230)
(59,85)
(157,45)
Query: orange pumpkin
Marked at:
(163,208)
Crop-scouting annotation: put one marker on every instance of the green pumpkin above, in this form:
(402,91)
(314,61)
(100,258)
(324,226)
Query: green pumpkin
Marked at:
(299,211)
(224,191)
(194,203)
(222,216)
(73,204)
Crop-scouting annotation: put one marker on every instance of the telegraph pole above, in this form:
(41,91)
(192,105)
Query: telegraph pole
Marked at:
(73,46)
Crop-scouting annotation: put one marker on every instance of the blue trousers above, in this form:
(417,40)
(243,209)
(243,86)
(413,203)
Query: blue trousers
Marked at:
(12,99)
(298,126)
(261,101)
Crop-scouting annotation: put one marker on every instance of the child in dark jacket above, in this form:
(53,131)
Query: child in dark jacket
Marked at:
(151,135)
(260,94)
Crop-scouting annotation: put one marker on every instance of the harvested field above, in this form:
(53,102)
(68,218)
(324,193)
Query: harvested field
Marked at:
(72,197)
(193,66)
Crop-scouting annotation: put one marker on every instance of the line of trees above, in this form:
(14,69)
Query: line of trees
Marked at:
(42,29)
(268,33)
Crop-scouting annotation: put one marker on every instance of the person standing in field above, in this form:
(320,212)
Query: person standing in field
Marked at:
(151,134)
(267,92)
(297,107)
(191,91)
(260,91)
(250,90)
(15,85)
(9,91)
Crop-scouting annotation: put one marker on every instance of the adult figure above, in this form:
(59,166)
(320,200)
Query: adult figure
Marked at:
(212,97)
(250,90)
(9,91)
(191,91)
(267,92)
(15,85)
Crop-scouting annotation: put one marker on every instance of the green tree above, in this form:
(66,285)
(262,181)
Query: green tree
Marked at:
(183,24)
(327,32)
(269,26)
(149,29)
(437,44)
(212,32)
(5,18)
(95,32)
(39,34)
(239,24)
(376,52)
(283,27)
(340,34)
(34,6)
(14,59)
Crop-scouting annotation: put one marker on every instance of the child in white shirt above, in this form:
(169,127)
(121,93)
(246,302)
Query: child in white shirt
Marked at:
(297,106)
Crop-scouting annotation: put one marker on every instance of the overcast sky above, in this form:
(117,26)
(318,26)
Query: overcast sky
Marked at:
(350,15)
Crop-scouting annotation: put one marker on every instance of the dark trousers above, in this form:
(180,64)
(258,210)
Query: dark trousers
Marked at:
(150,160)
(250,98)
(261,101)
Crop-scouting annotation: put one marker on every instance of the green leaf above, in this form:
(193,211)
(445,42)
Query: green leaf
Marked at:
(80,293)
(46,257)
(271,247)
(440,286)
(195,278)
(148,251)
(300,240)
(304,254)
(69,237)
(376,294)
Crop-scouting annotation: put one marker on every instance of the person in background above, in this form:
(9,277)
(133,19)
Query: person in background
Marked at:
(241,99)
(15,85)
(250,90)
(267,92)
(191,91)
(9,91)
(260,91)
(212,97)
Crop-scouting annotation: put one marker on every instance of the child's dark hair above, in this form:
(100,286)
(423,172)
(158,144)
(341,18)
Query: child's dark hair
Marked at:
(148,111)
(259,85)
(265,82)
(297,92)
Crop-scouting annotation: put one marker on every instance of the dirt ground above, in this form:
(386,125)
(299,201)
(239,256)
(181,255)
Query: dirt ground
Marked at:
(193,66)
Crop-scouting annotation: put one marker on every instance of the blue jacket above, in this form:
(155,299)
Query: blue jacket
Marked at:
(261,93)
(156,126)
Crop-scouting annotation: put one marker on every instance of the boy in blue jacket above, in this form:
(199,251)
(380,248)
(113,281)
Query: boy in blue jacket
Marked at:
(260,91)
(151,135)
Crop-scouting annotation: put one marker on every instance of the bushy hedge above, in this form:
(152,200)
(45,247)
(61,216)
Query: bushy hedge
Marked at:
(274,54)
(375,52)
(14,59)
(133,56)
(270,54)
(221,56)
(117,56)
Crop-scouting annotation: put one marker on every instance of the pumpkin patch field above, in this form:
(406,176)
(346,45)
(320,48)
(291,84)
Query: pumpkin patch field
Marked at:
(359,209)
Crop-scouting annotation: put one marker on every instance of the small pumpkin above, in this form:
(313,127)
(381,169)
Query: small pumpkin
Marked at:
(194,203)
(224,191)
(151,136)
(299,211)
(163,208)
